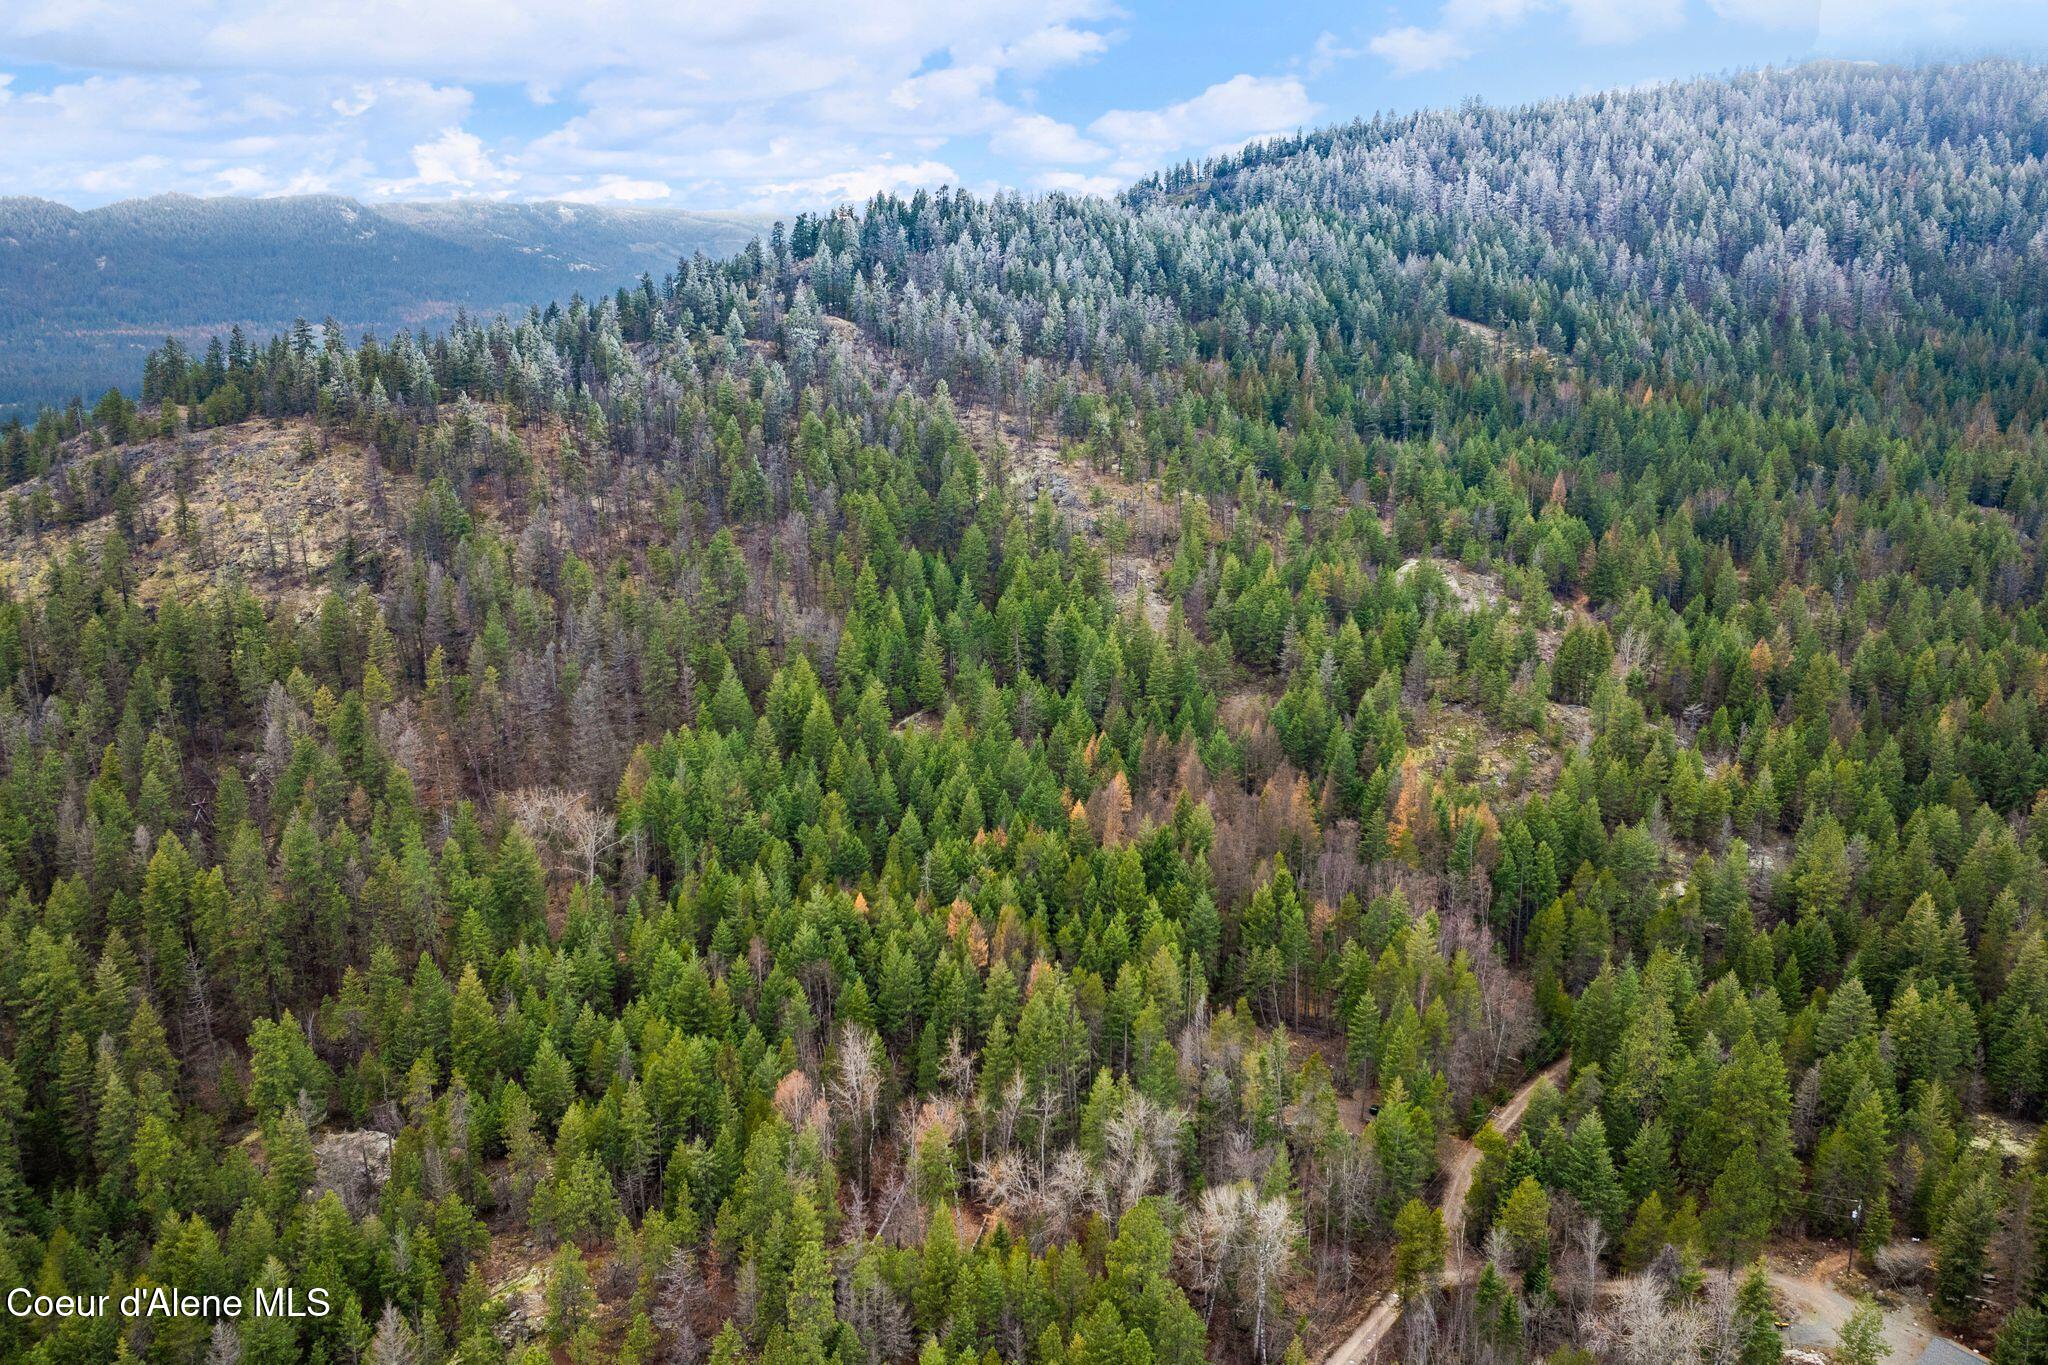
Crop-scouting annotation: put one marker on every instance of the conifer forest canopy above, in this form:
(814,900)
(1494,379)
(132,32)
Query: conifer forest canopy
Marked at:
(1422,742)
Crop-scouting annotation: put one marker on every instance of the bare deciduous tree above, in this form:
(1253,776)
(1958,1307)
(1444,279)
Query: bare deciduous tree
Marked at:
(565,824)
(1235,1238)
(856,1091)
(1138,1148)
(1640,1327)
(1578,1273)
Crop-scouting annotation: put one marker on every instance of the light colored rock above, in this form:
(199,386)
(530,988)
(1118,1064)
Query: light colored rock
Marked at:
(524,1301)
(354,1165)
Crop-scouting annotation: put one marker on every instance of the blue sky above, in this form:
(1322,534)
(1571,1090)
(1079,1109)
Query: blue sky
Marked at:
(740,105)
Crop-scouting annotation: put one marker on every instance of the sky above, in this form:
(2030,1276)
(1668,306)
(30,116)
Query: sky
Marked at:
(740,105)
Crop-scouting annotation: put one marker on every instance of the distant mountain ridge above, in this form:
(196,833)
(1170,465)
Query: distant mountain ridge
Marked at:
(84,294)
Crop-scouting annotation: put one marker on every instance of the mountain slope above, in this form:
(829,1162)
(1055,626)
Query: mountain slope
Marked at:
(1015,777)
(84,294)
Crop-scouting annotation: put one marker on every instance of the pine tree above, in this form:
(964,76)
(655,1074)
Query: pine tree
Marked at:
(571,1298)
(1739,1209)
(1756,1314)
(1525,1218)
(1585,1168)
(1419,1249)
(1861,1341)
(1961,1250)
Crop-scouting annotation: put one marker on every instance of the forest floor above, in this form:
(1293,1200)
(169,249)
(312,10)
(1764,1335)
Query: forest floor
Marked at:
(1037,465)
(1500,340)
(1384,1313)
(267,503)
(1471,588)
(1354,1107)
(1457,739)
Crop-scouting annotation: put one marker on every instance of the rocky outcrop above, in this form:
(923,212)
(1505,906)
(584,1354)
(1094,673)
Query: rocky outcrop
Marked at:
(354,1165)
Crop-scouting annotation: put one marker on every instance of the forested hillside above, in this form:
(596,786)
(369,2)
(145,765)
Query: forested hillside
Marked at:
(1017,779)
(84,296)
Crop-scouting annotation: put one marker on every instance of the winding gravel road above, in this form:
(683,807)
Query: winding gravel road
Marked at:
(1362,1344)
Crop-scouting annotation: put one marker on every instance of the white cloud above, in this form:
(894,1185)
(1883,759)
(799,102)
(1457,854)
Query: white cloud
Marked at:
(724,104)
(456,160)
(1623,21)
(1463,26)
(856,184)
(1053,46)
(618,189)
(1329,50)
(1221,118)
(1040,139)
(721,103)
(958,98)
(732,105)
(1073,182)
(1410,49)
(122,177)
(242,180)
(1472,15)
(111,135)
(406,97)
(1866,23)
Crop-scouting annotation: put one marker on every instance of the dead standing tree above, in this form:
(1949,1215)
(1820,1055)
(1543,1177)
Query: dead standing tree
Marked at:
(564,823)
(1235,1238)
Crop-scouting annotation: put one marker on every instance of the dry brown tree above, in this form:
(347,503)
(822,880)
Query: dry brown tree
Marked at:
(575,833)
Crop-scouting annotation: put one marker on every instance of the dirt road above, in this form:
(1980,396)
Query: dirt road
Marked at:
(1361,1345)
(1816,1310)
